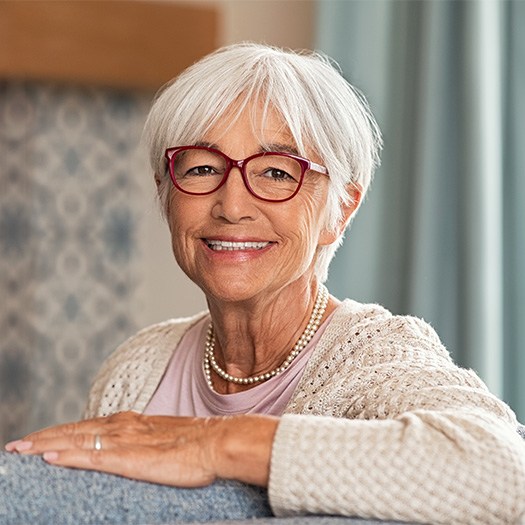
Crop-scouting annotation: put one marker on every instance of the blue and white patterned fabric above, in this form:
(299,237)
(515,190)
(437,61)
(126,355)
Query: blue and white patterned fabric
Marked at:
(69,162)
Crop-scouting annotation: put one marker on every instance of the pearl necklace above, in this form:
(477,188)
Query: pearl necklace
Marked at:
(313,324)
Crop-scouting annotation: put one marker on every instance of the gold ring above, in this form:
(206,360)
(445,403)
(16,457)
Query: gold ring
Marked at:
(98,442)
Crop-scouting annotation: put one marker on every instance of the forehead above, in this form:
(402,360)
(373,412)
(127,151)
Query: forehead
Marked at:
(252,122)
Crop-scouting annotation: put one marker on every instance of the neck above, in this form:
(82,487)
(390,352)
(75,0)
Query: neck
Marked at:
(254,337)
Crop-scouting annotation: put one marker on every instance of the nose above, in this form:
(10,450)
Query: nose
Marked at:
(234,202)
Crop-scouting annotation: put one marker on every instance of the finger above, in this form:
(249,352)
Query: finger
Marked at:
(88,426)
(141,463)
(111,461)
(82,459)
(18,445)
(72,431)
(100,425)
(76,441)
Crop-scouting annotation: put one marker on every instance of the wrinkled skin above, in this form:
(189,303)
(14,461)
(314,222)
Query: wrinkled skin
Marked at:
(179,451)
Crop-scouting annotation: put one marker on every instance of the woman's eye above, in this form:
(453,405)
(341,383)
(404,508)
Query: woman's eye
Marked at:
(201,170)
(277,174)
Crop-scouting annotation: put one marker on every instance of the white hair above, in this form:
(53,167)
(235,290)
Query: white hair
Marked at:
(323,112)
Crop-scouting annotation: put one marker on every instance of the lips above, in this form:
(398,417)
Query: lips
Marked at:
(218,245)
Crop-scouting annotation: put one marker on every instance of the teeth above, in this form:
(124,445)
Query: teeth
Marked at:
(230,245)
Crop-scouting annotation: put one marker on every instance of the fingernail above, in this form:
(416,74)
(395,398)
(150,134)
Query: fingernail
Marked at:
(18,446)
(12,445)
(22,446)
(50,456)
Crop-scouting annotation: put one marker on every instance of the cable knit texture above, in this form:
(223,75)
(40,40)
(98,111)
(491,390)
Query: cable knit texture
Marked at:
(416,437)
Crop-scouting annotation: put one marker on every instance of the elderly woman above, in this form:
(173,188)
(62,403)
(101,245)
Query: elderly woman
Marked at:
(261,159)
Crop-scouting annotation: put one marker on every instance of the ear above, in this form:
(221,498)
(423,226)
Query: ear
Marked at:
(158,184)
(347,211)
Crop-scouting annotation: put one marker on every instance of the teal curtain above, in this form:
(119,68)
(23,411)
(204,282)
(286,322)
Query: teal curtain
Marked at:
(442,234)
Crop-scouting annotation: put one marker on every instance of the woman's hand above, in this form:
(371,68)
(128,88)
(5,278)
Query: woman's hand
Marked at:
(180,451)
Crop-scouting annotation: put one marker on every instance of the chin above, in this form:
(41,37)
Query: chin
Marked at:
(232,290)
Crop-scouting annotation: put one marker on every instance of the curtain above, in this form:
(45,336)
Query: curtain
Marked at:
(442,234)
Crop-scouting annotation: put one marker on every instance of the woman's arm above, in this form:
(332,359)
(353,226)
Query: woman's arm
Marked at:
(413,437)
(178,451)
(424,467)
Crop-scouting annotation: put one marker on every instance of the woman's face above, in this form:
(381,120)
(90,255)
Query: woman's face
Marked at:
(281,238)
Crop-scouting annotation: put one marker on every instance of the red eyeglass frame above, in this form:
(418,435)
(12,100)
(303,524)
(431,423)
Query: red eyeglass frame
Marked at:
(232,163)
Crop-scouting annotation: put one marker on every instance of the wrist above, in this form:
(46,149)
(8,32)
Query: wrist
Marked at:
(243,448)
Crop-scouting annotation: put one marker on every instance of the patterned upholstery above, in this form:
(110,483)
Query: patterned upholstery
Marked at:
(69,258)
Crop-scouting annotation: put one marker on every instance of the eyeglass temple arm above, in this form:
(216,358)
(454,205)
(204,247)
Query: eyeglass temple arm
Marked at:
(318,167)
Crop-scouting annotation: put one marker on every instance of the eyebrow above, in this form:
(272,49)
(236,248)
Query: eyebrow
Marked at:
(263,148)
(204,144)
(280,148)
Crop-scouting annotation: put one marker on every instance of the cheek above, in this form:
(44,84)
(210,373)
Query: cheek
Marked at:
(177,241)
(179,225)
(314,216)
(317,205)
(308,224)
(172,217)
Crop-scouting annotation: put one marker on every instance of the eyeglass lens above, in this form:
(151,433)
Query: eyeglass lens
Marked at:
(272,177)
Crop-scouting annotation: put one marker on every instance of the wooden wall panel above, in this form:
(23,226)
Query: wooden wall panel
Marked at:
(124,44)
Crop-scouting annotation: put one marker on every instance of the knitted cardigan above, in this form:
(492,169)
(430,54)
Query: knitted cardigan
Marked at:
(411,436)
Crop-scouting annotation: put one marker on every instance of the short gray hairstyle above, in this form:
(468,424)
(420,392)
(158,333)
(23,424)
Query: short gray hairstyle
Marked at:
(323,112)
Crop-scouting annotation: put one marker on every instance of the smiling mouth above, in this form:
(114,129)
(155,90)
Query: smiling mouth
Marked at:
(232,245)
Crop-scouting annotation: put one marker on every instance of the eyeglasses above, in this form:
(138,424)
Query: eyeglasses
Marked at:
(269,176)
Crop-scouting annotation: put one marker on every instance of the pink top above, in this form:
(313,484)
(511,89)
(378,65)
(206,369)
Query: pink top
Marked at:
(184,391)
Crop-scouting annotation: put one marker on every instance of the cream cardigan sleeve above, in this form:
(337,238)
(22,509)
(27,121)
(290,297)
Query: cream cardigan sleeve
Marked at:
(414,438)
